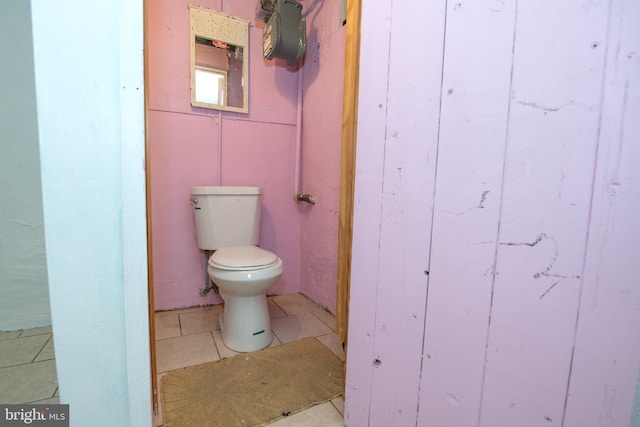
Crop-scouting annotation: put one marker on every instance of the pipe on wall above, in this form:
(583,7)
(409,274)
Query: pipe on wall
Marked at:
(297,171)
(297,196)
(219,147)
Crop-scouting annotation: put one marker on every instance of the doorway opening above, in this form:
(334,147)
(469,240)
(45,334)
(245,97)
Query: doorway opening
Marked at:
(347,178)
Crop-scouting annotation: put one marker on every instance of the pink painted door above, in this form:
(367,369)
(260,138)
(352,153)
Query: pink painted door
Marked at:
(494,276)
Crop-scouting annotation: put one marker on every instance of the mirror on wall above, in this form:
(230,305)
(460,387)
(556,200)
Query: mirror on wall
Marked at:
(219,60)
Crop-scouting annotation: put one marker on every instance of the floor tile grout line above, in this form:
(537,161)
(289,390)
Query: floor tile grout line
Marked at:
(329,326)
(42,348)
(278,305)
(26,363)
(21,332)
(276,335)
(334,405)
(18,331)
(215,345)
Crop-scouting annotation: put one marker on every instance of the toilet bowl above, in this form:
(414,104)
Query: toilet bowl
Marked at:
(227,221)
(243,274)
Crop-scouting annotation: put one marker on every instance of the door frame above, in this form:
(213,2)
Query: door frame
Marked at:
(147,168)
(348,165)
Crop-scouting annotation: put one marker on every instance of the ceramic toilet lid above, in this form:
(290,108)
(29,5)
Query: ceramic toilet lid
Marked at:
(242,258)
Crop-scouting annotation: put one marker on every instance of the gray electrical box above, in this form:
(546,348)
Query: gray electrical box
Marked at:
(285,32)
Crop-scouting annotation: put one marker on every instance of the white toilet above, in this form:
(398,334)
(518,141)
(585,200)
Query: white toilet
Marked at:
(228,222)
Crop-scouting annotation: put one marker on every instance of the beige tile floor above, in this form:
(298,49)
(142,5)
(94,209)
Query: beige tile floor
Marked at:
(27,367)
(192,336)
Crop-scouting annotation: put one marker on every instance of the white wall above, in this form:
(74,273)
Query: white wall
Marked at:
(24,293)
(89,86)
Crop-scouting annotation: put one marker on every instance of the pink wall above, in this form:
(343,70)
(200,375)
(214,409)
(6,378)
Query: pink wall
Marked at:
(495,233)
(190,146)
(321,141)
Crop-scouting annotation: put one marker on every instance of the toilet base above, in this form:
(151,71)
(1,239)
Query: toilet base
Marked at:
(245,322)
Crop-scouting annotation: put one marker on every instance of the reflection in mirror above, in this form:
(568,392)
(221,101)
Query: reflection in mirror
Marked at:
(218,72)
(219,66)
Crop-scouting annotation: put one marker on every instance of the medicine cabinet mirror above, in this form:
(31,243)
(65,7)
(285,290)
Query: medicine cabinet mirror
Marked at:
(219,60)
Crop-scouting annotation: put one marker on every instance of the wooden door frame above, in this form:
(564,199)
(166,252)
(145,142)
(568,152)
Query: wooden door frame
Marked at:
(147,163)
(347,164)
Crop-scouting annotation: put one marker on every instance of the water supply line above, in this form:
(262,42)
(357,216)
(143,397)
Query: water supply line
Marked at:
(297,195)
(209,285)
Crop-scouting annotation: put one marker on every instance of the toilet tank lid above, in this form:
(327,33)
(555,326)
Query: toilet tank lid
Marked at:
(225,190)
(239,257)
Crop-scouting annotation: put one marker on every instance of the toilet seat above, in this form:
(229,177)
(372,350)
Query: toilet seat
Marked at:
(242,258)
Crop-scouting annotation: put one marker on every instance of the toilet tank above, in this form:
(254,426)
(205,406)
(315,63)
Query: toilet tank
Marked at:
(227,216)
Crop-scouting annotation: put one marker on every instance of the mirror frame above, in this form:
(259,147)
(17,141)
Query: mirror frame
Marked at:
(214,25)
